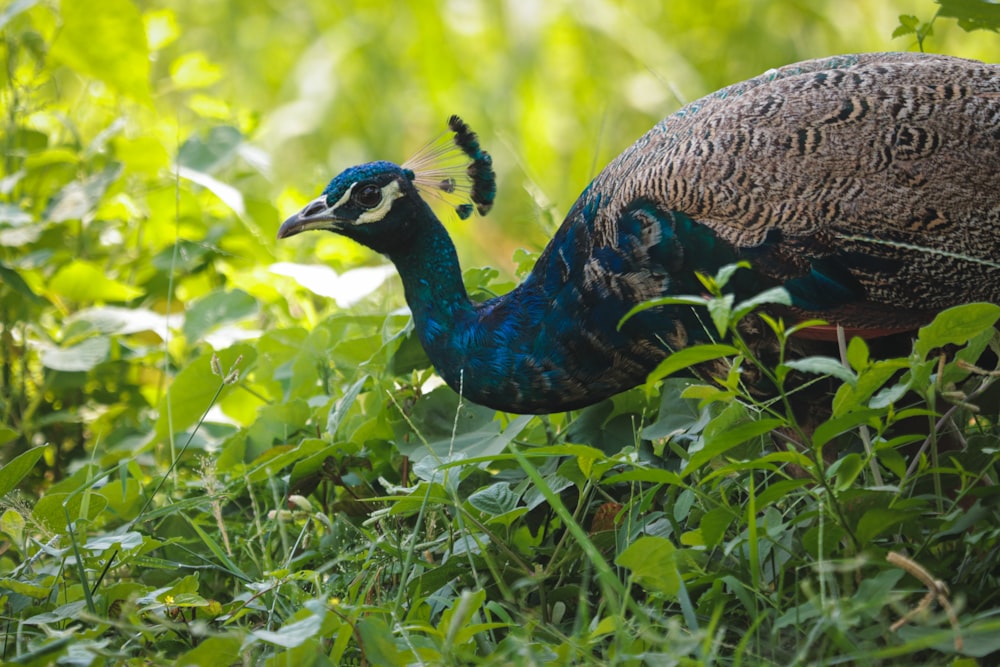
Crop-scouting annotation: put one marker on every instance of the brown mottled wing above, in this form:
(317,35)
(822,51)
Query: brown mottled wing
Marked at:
(886,166)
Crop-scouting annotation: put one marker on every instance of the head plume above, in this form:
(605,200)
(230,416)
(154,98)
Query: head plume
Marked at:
(443,169)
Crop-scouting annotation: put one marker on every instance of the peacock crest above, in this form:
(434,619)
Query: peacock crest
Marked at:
(456,170)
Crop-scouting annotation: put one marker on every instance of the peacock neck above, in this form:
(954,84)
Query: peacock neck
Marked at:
(525,351)
(442,313)
(432,281)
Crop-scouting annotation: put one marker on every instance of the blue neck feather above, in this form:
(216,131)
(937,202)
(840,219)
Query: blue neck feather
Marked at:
(552,343)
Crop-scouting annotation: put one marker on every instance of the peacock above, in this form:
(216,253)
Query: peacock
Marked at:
(867,185)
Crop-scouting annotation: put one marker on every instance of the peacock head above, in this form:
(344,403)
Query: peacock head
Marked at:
(379,204)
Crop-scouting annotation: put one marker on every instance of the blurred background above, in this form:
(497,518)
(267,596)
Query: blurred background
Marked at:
(555,89)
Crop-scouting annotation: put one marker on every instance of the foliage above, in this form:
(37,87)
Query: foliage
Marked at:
(969,14)
(209,454)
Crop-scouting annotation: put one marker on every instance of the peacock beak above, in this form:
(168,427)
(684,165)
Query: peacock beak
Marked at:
(317,214)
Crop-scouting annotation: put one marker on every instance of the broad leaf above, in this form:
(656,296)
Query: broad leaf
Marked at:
(107,41)
(651,560)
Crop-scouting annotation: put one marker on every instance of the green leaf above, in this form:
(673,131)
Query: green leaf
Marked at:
(194,70)
(12,279)
(869,381)
(777,295)
(27,588)
(377,638)
(274,424)
(651,560)
(50,511)
(209,154)
(833,427)
(81,357)
(12,473)
(220,554)
(84,281)
(125,541)
(117,320)
(343,405)
(18,227)
(495,499)
(213,650)
(191,392)
(690,356)
(677,415)
(296,632)
(80,198)
(822,366)
(6,435)
(216,309)
(12,525)
(956,326)
(727,272)
(716,445)
(470,430)
(878,520)
(107,41)
(663,301)
(972,14)
(720,310)
(907,25)
(714,524)
(15,8)
(857,354)
(60,613)
(846,470)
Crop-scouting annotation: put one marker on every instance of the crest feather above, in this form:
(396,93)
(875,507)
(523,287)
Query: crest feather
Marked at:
(456,170)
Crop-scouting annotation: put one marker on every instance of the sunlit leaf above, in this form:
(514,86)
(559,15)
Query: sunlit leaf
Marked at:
(194,70)
(346,289)
(82,356)
(215,309)
(651,560)
(106,41)
(822,366)
(115,320)
(191,392)
(227,194)
(15,8)
(53,509)
(126,541)
(213,650)
(12,279)
(83,281)
(956,326)
(210,152)
(80,198)
(690,356)
(12,473)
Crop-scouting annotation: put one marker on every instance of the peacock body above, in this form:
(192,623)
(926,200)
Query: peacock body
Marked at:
(867,185)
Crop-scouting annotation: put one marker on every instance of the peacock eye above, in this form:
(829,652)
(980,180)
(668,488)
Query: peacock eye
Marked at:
(368,196)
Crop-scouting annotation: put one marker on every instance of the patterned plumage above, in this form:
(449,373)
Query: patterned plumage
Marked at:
(868,185)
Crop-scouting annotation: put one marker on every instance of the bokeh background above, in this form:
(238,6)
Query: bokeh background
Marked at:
(555,89)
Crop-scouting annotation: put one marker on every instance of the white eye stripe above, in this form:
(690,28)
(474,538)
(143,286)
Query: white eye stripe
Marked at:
(390,193)
(343,200)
